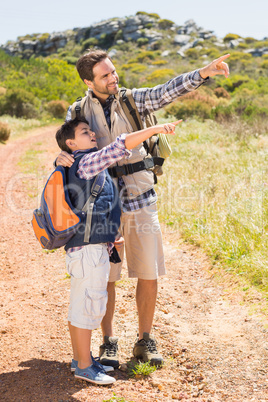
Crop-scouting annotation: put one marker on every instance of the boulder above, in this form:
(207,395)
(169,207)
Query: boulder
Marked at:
(181,39)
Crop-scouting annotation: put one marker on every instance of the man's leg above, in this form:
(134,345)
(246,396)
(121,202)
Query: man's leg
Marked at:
(146,294)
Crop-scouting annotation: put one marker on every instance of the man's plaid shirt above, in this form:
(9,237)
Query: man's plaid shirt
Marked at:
(150,100)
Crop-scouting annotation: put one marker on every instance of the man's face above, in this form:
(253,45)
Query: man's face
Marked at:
(105,80)
(84,138)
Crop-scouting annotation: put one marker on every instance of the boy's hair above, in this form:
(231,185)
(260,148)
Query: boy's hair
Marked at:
(86,63)
(67,131)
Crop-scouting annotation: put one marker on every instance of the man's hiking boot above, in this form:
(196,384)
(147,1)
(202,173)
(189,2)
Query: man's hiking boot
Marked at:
(145,349)
(109,352)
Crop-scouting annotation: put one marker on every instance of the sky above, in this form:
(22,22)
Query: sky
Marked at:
(18,18)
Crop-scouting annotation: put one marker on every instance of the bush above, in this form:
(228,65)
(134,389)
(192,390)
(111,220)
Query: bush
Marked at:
(58,108)
(264,64)
(230,36)
(249,39)
(188,109)
(2,91)
(158,76)
(4,131)
(221,93)
(142,41)
(165,24)
(20,103)
(88,43)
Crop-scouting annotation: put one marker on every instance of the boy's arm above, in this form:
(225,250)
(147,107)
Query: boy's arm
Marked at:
(136,138)
(95,162)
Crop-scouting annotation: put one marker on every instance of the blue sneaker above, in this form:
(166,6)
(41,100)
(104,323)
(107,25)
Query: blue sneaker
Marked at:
(95,360)
(93,374)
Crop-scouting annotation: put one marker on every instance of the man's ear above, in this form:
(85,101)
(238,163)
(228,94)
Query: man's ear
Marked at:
(89,83)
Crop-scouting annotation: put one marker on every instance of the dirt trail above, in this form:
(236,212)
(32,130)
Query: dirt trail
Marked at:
(213,348)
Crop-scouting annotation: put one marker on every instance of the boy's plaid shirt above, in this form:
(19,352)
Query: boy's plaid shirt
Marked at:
(95,162)
(150,100)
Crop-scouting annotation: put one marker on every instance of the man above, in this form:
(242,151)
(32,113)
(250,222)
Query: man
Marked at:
(139,221)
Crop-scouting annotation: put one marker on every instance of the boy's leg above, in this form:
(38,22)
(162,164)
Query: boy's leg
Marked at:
(81,343)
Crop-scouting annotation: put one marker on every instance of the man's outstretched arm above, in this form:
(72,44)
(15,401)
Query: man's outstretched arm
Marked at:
(152,99)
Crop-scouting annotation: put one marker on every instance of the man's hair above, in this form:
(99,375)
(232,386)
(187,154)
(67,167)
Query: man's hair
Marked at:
(67,131)
(86,63)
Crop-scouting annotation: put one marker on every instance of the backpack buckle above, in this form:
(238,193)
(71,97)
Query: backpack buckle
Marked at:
(148,163)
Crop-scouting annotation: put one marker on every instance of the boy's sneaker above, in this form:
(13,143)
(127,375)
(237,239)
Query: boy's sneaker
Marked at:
(109,352)
(146,350)
(107,369)
(93,374)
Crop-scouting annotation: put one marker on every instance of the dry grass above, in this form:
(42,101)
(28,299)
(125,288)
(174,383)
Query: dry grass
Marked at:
(215,191)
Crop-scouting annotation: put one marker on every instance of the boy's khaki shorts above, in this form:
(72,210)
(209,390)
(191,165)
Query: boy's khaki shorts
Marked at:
(143,245)
(89,268)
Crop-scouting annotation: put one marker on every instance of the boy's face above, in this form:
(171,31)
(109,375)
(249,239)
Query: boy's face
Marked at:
(84,138)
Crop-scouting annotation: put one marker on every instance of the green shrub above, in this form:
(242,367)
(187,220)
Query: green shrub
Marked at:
(264,64)
(212,53)
(165,24)
(43,37)
(20,103)
(143,56)
(249,39)
(153,15)
(233,82)
(230,36)
(142,41)
(118,35)
(71,60)
(88,43)
(242,46)
(57,108)
(192,53)
(189,108)
(160,75)
(159,62)
(4,131)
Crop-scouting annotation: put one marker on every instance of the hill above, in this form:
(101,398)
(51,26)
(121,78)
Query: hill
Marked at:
(146,51)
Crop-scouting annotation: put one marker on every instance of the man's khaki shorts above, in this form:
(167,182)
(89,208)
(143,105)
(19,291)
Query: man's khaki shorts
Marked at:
(143,245)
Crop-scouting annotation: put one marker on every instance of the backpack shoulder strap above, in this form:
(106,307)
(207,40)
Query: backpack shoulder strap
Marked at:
(130,109)
(96,188)
(77,108)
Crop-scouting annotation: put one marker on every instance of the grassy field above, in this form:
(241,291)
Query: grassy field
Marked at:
(215,192)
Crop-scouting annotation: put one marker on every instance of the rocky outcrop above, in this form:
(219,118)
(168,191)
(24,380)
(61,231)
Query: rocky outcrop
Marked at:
(143,28)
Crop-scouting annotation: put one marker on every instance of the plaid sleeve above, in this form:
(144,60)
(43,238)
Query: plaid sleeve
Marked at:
(95,162)
(152,99)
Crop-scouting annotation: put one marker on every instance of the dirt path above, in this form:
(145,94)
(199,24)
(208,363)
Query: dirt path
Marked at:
(213,348)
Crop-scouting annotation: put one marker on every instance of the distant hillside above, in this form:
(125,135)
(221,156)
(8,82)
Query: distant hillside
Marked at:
(143,29)
(146,51)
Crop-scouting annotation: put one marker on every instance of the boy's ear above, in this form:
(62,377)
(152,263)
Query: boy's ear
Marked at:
(70,143)
(88,83)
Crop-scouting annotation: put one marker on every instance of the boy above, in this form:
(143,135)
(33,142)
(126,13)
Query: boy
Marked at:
(88,262)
